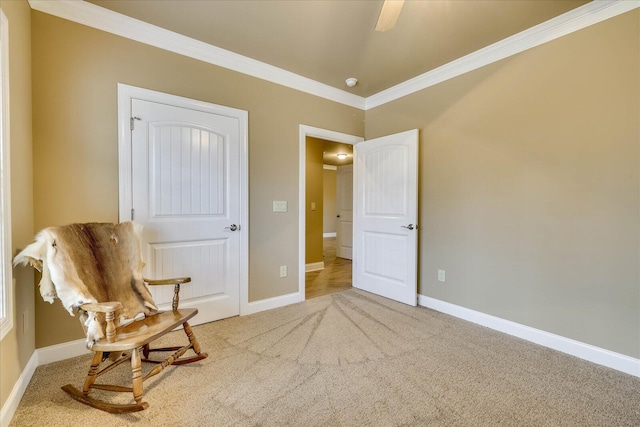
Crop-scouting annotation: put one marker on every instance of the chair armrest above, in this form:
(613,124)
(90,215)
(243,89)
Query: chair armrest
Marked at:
(176,290)
(175,281)
(102,307)
(109,308)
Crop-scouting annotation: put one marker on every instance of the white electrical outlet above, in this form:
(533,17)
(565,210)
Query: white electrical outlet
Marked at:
(283,271)
(441,275)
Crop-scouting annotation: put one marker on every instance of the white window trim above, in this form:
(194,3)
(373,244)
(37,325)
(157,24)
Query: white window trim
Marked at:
(6,271)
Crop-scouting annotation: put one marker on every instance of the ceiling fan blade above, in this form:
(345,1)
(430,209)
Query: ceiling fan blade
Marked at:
(389,14)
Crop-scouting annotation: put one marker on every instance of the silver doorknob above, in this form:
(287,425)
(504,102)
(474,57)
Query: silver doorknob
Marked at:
(408,227)
(232,227)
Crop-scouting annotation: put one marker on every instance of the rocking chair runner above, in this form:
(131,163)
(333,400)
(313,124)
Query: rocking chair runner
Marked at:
(96,270)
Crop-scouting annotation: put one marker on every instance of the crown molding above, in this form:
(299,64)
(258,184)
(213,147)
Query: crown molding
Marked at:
(112,22)
(574,20)
(106,20)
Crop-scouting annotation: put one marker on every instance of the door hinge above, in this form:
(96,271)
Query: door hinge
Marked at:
(132,122)
(132,212)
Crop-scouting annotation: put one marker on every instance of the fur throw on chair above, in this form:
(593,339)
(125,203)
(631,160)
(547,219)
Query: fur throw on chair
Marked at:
(90,263)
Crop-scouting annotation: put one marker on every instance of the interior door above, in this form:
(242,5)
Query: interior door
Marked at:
(344,202)
(185,191)
(386,212)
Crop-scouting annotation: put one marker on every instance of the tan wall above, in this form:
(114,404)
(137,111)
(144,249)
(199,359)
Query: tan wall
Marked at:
(17,347)
(75,72)
(314,194)
(329,220)
(530,185)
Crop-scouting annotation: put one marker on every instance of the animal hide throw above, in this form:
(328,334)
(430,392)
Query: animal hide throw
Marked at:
(91,263)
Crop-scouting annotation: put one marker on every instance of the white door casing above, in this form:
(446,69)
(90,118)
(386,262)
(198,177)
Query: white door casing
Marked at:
(385,216)
(187,188)
(344,202)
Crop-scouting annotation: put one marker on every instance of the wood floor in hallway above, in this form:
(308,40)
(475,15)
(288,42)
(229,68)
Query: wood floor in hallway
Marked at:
(335,277)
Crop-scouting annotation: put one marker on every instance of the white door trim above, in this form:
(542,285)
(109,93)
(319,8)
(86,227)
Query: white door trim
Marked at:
(125,94)
(328,135)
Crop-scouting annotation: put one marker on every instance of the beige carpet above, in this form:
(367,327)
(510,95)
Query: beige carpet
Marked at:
(351,359)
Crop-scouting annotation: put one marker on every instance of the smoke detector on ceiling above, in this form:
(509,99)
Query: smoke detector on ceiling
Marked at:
(351,81)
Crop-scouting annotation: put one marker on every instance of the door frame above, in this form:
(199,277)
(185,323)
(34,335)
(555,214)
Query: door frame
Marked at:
(125,198)
(328,135)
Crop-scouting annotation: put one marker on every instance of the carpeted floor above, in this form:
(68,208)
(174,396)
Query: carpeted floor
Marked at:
(354,359)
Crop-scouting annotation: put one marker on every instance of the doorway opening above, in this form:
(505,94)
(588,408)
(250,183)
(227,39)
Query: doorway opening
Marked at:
(323,263)
(329,217)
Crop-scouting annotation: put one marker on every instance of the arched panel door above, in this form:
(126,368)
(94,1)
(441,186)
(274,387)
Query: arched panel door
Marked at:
(386,215)
(186,193)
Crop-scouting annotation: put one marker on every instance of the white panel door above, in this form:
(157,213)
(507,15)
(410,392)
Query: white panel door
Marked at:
(344,202)
(185,191)
(386,212)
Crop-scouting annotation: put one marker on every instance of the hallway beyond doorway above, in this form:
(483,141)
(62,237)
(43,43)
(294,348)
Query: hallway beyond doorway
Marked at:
(335,277)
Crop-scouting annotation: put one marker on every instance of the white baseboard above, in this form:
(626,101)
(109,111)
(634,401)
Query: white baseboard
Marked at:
(65,350)
(270,303)
(324,235)
(579,349)
(12,402)
(314,266)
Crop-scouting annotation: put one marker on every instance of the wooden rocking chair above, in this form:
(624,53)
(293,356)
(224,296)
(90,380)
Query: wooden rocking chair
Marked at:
(95,270)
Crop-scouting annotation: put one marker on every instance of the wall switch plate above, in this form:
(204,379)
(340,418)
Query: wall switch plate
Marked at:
(279,205)
(283,271)
(441,275)
(313,206)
